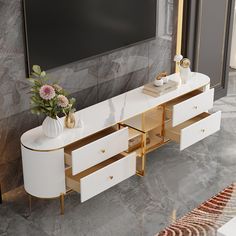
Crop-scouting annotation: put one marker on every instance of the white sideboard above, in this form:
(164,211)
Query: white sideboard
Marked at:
(115,138)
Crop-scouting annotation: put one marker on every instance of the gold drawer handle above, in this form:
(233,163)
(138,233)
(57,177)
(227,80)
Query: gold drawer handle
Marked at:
(203,130)
(111,177)
(103,150)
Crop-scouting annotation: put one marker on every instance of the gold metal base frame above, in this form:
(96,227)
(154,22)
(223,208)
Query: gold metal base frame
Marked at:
(144,149)
(0,193)
(61,197)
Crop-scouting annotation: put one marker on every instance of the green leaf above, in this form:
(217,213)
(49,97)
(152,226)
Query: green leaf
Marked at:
(31,80)
(51,103)
(43,74)
(37,69)
(33,98)
(72,100)
(34,74)
(34,90)
(38,83)
(36,110)
(49,108)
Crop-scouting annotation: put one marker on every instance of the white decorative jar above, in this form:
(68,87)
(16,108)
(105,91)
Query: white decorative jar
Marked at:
(185,71)
(165,79)
(52,128)
(158,82)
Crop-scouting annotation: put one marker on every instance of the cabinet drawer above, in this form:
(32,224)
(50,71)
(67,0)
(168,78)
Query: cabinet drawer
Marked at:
(102,176)
(190,105)
(194,129)
(97,149)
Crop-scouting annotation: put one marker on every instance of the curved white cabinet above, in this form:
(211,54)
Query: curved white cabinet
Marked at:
(98,154)
(44,173)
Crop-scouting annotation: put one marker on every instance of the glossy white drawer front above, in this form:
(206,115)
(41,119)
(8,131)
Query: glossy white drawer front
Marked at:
(192,107)
(200,130)
(99,150)
(107,177)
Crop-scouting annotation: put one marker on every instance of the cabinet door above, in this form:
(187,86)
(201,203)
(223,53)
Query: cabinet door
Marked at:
(207,39)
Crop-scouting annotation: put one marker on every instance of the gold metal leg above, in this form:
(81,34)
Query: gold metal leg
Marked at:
(163,123)
(143,155)
(30,203)
(62,199)
(173,217)
(0,193)
(118,126)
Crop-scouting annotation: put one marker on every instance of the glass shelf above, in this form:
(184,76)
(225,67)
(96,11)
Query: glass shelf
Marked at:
(146,121)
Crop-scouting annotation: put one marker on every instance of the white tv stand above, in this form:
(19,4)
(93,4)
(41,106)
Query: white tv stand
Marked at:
(115,138)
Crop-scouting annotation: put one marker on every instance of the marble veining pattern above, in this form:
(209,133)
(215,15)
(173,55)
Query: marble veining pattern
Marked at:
(176,182)
(111,112)
(90,81)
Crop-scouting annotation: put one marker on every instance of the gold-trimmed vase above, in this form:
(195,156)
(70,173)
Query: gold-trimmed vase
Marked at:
(70,120)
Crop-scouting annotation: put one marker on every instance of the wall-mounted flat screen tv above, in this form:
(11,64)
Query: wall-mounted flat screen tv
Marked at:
(63,31)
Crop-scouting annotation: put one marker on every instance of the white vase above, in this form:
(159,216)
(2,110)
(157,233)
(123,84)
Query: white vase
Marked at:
(52,128)
(158,82)
(185,74)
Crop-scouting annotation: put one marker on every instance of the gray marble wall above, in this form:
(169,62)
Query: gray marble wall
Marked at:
(90,81)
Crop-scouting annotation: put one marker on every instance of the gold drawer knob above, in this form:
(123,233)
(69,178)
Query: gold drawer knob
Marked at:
(203,130)
(103,150)
(111,177)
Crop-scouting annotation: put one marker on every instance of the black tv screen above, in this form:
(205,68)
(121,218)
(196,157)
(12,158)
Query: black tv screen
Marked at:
(63,31)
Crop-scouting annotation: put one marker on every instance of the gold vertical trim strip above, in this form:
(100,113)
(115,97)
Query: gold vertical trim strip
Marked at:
(179,29)
(62,203)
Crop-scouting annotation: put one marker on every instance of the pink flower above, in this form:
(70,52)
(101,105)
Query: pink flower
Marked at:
(47,92)
(62,101)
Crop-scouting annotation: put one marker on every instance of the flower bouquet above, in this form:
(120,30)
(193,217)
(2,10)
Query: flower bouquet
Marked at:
(51,100)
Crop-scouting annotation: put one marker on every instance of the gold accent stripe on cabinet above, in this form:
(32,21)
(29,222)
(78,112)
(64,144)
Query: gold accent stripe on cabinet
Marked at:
(35,150)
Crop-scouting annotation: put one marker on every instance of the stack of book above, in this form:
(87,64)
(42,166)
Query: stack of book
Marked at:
(152,90)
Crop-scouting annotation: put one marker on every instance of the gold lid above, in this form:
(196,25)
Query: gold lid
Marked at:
(185,63)
(161,75)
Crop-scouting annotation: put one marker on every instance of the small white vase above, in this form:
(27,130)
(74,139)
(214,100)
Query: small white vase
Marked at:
(52,128)
(185,74)
(165,79)
(158,82)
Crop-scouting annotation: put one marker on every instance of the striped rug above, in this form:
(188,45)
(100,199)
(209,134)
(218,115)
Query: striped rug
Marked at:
(207,218)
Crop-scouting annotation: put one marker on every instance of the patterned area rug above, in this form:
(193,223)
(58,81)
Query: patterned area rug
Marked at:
(207,218)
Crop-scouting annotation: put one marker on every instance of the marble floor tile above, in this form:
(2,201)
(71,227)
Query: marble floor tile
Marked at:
(12,224)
